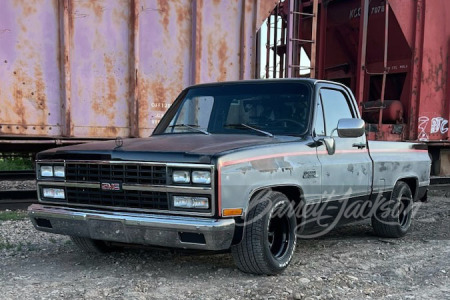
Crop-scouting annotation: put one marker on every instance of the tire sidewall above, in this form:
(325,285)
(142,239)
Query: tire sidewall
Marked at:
(404,193)
(280,202)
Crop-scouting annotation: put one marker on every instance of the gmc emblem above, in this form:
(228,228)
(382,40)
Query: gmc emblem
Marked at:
(106,186)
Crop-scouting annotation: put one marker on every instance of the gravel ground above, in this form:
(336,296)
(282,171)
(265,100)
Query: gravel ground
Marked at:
(17,185)
(348,263)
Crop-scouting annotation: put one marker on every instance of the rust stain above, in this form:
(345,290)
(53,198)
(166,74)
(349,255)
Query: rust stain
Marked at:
(216,2)
(28,6)
(249,6)
(29,107)
(184,38)
(198,46)
(109,131)
(222,53)
(96,6)
(164,10)
(159,95)
(211,47)
(120,15)
(19,108)
(111,81)
(41,96)
(105,97)
(133,63)
(143,91)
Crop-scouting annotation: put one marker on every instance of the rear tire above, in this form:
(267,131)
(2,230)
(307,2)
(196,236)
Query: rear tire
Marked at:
(269,238)
(393,219)
(91,246)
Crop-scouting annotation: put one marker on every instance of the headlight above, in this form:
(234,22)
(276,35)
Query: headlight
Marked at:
(53,193)
(181,177)
(202,177)
(46,171)
(190,202)
(59,171)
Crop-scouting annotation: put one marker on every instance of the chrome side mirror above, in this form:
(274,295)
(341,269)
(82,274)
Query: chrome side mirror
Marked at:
(350,128)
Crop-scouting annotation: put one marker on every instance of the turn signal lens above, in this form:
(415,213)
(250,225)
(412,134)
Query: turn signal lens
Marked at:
(232,212)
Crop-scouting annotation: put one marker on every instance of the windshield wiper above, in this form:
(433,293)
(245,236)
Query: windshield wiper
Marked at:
(245,126)
(192,127)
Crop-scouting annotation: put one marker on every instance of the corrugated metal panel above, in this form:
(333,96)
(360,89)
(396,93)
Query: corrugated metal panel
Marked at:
(104,68)
(30,87)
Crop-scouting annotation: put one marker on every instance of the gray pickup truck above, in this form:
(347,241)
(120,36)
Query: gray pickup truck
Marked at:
(245,166)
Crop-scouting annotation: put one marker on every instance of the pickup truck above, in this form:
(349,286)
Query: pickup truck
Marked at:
(246,166)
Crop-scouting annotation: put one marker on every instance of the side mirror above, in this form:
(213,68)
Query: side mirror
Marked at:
(350,128)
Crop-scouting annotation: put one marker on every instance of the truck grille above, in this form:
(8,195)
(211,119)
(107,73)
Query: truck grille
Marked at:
(128,199)
(125,173)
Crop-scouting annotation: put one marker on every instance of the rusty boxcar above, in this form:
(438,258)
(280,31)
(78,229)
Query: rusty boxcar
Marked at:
(75,70)
(394,55)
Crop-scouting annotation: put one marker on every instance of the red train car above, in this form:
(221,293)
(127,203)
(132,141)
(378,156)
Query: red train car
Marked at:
(394,55)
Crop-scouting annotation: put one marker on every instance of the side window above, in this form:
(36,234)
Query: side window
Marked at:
(319,126)
(335,107)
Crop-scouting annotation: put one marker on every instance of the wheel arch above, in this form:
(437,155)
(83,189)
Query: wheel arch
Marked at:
(413,183)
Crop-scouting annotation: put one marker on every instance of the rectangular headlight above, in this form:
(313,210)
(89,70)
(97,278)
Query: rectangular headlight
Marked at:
(46,171)
(181,176)
(53,193)
(59,171)
(190,202)
(201,177)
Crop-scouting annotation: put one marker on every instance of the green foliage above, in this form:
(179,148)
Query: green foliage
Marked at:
(15,163)
(12,215)
(5,245)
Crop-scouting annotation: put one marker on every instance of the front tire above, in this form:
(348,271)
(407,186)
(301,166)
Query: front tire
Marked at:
(269,238)
(393,219)
(91,246)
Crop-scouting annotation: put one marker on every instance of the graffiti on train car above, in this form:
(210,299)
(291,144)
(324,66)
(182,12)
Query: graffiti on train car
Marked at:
(438,125)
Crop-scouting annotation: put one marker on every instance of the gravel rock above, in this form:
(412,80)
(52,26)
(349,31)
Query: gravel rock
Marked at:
(18,185)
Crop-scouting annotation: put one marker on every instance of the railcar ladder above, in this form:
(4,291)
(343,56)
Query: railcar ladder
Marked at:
(295,41)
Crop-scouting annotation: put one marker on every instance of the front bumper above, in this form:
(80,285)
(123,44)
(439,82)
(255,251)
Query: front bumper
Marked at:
(135,228)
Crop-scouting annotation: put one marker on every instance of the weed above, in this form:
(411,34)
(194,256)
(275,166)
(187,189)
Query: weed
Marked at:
(15,163)
(5,245)
(12,215)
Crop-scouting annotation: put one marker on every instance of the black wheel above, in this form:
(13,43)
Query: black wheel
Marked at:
(269,239)
(393,218)
(92,246)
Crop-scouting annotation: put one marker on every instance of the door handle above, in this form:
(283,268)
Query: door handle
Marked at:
(360,145)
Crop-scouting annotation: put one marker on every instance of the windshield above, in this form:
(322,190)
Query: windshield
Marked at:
(271,108)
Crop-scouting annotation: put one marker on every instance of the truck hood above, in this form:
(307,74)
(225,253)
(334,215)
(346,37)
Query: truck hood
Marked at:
(171,147)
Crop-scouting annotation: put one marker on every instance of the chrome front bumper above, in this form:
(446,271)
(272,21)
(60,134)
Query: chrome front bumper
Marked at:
(135,228)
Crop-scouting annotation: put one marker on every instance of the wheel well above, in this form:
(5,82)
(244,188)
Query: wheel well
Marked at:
(412,183)
(293,193)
